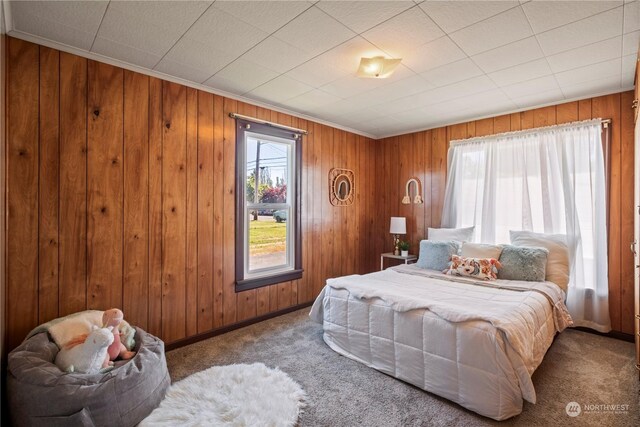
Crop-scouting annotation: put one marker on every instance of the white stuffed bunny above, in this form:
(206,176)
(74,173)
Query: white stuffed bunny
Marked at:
(87,357)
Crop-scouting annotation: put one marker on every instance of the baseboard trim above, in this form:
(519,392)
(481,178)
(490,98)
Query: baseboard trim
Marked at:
(215,332)
(613,334)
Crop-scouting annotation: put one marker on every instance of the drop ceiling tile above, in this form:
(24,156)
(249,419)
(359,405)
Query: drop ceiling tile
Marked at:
(399,89)
(347,55)
(128,54)
(631,17)
(455,15)
(241,76)
(530,87)
(182,71)
(590,30)
(539,98)
(586,55)
(450,92)
(628,80)
(611,68)
(314,31)
(84,18)
(279,89)
(403,33)
(277,55)
(265,15)
(631,43)
(433,54)
(546,15)
(318,72)
(494,32)
(516,53)
(137,32)
(197,56)
(360,16)
(521,73)
(57,32)
(591,88)
(629,64)
(225,33)
(452,73)
(174,15)
(309,101)
(351,85)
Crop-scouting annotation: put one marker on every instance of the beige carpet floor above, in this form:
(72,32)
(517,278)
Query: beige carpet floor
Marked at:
(579,366)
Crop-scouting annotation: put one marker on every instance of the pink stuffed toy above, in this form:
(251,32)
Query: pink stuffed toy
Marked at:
(112,318)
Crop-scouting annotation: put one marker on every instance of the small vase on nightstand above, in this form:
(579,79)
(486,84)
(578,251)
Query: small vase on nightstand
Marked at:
(404,253)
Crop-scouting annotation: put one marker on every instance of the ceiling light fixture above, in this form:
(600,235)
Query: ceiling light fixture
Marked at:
(377,67)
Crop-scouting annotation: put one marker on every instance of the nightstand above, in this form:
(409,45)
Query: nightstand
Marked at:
(406,259)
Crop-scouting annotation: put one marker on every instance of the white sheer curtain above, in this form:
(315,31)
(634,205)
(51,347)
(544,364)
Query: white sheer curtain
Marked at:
(548,180)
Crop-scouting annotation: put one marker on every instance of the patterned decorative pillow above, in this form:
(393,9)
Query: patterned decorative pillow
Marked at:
(478,268)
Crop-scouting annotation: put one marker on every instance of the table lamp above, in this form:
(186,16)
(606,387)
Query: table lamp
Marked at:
(398,226)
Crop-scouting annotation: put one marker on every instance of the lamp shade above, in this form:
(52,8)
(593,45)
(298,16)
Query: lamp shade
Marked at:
(398,225)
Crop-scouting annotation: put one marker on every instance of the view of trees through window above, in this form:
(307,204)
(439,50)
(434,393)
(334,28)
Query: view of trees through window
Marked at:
(268,208)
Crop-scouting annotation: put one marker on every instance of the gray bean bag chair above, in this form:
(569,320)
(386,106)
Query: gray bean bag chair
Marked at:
(40,394)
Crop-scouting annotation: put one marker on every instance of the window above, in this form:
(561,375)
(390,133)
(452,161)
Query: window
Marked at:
(268,239)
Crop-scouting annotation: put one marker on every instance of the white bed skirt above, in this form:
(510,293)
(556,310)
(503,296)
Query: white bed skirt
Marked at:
(468,362)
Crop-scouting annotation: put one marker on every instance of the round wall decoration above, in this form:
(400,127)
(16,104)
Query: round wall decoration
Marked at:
(341,187)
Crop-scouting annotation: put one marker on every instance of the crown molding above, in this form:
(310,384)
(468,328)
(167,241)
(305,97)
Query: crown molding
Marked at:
(122,64)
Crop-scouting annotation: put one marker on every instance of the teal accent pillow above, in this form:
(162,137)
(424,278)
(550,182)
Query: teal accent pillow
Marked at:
(436,255)
(522,263)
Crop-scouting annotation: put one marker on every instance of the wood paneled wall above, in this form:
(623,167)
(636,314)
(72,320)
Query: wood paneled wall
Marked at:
(424,154)
(120,193)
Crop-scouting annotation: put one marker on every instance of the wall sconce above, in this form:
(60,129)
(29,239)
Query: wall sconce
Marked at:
(406,200)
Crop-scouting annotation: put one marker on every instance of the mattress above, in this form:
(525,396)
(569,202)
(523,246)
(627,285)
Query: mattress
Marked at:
(470,360)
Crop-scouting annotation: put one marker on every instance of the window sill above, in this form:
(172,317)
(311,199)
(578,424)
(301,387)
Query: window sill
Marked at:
(258,282)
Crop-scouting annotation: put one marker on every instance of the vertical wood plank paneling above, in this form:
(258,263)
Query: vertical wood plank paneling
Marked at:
(502,124)
(155,215)
(626,212)
(609,107)
(438,173)
(526,120)
(584,109)
(49,130)
(205,211)
(104,185)
(319,209)
(191,291)
(174,221)
(72,252)
(218,209)
(22,189)
(228,201)
(484,127)
(135,301)
(567,113)
(545,116)
(165,251)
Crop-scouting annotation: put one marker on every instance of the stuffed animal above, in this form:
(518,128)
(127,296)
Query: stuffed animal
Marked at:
(112,318)
(479,268)
(88,356)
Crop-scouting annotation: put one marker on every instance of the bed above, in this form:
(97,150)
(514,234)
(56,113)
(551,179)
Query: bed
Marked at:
(473,342)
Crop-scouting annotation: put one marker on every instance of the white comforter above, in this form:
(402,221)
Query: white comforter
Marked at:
(518,310)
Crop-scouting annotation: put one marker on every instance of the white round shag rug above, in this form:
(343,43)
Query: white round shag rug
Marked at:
(232,395)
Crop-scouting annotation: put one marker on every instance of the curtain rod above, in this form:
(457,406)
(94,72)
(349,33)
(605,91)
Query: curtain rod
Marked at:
(604,122)
(265,122)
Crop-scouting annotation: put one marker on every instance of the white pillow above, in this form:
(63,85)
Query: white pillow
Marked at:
(481,250)
(449,234)
(558,269)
